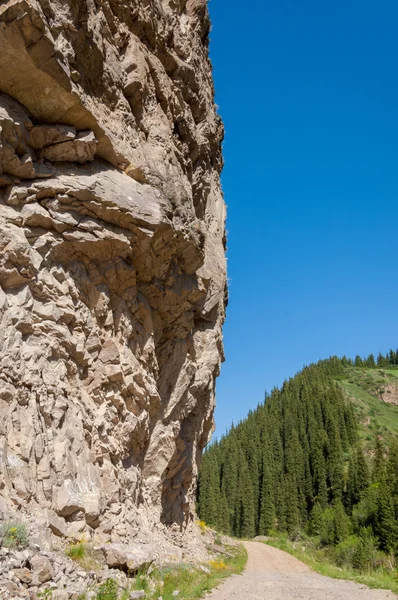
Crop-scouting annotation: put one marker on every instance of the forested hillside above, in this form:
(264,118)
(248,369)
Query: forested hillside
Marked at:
(316,457)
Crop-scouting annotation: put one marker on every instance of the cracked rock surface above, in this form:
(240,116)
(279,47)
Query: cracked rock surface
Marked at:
(112,267)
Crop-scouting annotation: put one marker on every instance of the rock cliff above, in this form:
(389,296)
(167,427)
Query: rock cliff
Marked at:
(112,268)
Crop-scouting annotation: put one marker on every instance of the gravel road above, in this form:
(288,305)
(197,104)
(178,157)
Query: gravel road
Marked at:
(271,574)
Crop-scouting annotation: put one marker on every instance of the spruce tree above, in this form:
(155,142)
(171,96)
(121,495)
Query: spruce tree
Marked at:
(386,525)
(267,506)
(315,522)
(378,471)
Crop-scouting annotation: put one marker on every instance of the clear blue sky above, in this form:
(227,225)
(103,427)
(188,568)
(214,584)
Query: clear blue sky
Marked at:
(308,92)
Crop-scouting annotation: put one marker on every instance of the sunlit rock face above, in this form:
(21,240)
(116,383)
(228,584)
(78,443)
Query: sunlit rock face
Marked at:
(112,267)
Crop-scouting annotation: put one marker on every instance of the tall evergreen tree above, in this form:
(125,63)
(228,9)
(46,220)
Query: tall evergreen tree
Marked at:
(378,471)
(267,519)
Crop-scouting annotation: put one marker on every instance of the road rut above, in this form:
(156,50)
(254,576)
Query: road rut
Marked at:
(271,574)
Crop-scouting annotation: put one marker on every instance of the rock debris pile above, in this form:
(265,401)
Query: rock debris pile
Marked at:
(32,573)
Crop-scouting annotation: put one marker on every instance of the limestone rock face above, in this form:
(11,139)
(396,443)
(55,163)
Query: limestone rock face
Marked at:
(112,268)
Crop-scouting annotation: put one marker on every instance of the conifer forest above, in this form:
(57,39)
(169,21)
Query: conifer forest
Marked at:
(319,457)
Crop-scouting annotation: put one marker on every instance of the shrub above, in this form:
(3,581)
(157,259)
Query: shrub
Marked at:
(76,551)
(344,552)
(85,555)
(14,535)
(202,526)
(107,590)
(141,581)
(359,552)
(335,525)
(217,565)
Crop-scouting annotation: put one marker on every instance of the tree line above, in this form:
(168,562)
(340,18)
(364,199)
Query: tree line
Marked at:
(382,361)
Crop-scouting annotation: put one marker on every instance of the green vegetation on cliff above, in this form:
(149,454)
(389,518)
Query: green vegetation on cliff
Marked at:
(318,458)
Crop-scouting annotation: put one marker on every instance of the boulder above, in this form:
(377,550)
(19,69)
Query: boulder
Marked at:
(41,568)
(56,524)
(23,575)
(92,508)
(67,502)
(130,557)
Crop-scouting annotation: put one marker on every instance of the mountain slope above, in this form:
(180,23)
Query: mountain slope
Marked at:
(319,456)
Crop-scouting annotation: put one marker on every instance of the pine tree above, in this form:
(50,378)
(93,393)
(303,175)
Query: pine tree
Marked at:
(358,362)
(292,512)
(386,524)
(245,509)
(267,506)
(315,522)
(382,361)
(363,476)
(358,479)
(392,357)
(341,522)
(209,489)
(378,471)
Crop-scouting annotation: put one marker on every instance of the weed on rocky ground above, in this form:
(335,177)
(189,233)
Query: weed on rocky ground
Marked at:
(184,581)
(191,581)
(85,571)
(14,535)
(181,581)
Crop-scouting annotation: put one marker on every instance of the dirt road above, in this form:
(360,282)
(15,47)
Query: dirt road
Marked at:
(271,574)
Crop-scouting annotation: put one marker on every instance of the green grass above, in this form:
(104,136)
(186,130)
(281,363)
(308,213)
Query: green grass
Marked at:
(85,555)
(374,416)
(141,582)
(317,560)
(76,551)
(190,580)
(393,372)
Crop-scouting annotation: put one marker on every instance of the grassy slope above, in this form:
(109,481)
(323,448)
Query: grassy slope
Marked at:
(375,417)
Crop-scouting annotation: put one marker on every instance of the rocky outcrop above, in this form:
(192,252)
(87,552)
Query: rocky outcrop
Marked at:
(112,267)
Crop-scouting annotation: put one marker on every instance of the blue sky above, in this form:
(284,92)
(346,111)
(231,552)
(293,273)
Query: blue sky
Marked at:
(308,92)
